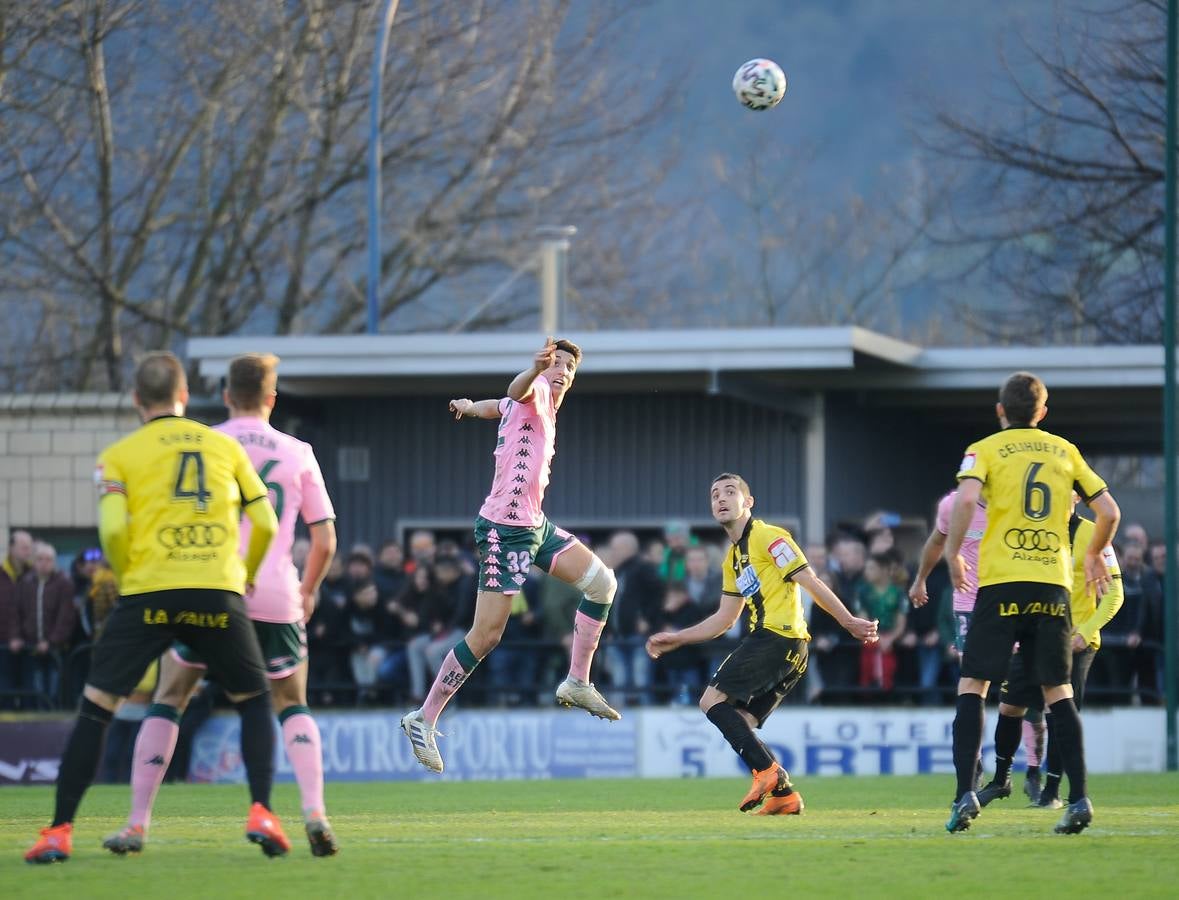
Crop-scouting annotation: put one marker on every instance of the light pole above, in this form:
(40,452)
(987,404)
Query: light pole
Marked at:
(374,165)
(1170,475)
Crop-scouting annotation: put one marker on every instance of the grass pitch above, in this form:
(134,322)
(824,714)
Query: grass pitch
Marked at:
(859,837)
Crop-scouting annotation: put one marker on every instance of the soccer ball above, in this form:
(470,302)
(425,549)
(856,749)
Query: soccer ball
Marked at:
(759,84)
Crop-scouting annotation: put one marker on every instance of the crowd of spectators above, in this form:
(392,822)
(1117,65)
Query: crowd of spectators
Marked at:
(387,618)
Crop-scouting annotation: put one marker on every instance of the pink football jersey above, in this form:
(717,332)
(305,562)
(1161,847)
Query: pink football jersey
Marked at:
(288,467)
(964,600)
(523,451)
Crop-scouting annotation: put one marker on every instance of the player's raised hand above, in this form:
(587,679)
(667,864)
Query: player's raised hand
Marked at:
(866,630)
(461,407)
(1096,575)
(545,355)
(958,570)
(918,594)
(660,643)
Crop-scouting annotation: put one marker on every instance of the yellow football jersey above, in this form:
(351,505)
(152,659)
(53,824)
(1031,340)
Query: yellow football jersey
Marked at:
(185,486)
(1028,476)
(758,567)
(1089,615)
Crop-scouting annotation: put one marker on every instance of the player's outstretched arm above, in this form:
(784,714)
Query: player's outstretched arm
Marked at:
(474,409)
(705,630)
(930,553)
(520,389)
(861,629)
(112,531)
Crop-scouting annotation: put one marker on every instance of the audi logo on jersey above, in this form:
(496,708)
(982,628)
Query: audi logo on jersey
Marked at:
(177,537)
(1032,539)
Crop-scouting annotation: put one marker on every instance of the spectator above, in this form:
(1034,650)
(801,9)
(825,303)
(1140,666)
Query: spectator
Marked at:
(678,537)
(1150,628)
(389,573)
(45,610)
(328,633)
(466,560)
(445,619)
(513,668)
(878,597)
(82,574)
(404,623)
(16,563)
(422,550)
(684,671)
(637,602)
(365,620)
(923,640)
(702,580)
(1114,666)
(1135,533)
(654,551)
(837,657)
(358,568)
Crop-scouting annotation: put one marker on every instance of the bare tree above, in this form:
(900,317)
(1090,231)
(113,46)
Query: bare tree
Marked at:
(1057,208)
(169,170)
(793,262)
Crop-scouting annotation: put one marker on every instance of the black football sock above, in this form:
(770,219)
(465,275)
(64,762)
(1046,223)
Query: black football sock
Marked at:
(1052,763)
(258,746)
(79,762)
(1070,738)
(740,736)
(1008,731)
(968,728)
(1033,773)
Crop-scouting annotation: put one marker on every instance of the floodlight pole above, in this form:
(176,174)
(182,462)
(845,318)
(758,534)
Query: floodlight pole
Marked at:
(1170,475)
(374,165)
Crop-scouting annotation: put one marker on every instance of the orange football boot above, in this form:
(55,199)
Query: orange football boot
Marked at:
(55,845)
(264,829)
(764,781)
(790,805)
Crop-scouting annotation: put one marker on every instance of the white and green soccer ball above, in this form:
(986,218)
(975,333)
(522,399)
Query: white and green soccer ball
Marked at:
(759,84)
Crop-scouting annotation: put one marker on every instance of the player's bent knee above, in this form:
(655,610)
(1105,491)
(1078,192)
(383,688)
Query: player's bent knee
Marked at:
(710,698)
(598,583)
(99,697)
(1016,712)
(1057,693)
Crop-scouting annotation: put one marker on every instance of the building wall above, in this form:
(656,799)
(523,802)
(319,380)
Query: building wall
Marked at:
(638,458)
(48,446)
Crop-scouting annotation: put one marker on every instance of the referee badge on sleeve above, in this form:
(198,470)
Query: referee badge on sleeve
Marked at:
(104,485)
(967,463)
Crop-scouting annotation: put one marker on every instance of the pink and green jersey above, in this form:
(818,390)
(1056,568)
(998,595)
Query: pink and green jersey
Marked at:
(964,600)
(523,451)
(288,467)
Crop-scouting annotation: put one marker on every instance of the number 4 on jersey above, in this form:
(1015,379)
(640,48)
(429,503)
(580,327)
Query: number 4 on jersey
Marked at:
(190,480)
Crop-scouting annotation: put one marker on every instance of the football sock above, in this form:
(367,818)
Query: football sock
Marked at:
(459,663)
(79,761)
(1007,733)
(968,729)
(258,746)
(300,735)
(586,633)
(1033,740)
(1069,737)
(1053,765)
(153,752)
(740,736)
(598,586)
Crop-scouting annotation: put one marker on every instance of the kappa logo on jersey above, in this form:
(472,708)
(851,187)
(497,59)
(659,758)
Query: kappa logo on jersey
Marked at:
(782,554)
(967,463)
(747,582)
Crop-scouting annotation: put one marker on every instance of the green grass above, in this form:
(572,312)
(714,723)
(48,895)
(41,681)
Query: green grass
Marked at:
(859,837)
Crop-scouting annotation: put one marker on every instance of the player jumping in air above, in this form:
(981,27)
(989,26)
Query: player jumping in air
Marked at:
(1026,477)
(279,606)
(763,570)
(512,534)
(171,495)
(1020,697)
